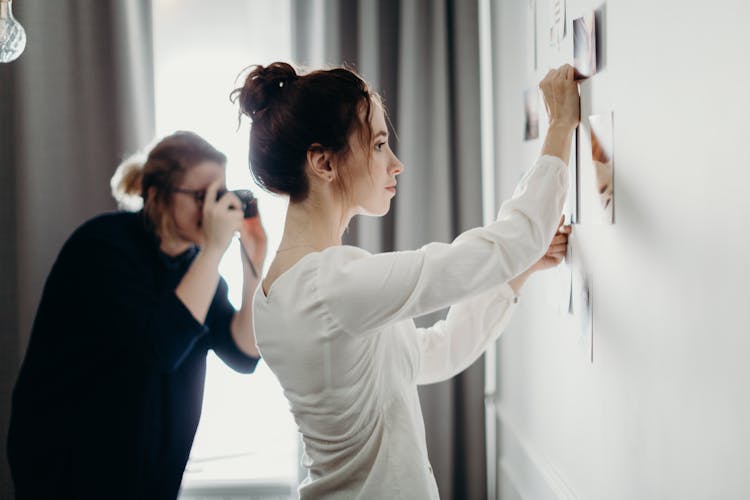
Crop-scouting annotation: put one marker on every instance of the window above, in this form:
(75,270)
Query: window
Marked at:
(247,441)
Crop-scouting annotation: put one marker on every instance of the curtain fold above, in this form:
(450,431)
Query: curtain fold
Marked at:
(422,57)
(77,101)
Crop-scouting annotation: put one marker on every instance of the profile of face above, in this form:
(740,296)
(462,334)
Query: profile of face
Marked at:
(373,168)
(186,203)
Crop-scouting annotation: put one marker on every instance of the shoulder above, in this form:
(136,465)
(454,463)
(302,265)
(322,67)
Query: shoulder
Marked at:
(327,260)
(311,272)
(112,230)
(333,263)
(110,225)
(342,254)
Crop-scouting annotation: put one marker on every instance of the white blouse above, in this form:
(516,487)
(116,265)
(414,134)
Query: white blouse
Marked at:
(337,330)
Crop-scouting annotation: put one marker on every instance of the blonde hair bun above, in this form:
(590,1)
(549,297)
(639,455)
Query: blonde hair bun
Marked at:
(127,183)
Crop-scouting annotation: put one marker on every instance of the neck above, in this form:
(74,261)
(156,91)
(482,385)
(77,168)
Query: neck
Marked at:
(316,222)
(174,246)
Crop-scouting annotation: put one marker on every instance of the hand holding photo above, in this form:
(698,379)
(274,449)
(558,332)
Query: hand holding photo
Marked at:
(584,45)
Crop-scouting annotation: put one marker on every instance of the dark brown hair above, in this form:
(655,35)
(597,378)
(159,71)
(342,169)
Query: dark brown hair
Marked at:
(290,112)
(154,178)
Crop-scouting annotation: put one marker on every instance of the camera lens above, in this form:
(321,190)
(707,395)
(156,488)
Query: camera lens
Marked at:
(249,203)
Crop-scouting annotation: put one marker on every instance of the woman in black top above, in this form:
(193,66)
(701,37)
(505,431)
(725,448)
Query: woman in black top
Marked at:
(109,394)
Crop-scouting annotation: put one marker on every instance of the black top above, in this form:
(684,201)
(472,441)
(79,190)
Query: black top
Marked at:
(109,395)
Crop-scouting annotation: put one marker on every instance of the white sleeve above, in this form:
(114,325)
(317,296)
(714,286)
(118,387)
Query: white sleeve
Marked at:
(363,292)
(450,346)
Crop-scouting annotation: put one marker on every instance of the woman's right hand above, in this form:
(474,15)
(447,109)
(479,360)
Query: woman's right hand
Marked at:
(560,90)
(221,218)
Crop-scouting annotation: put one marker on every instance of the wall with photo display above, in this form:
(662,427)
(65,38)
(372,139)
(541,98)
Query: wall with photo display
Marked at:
(624,373)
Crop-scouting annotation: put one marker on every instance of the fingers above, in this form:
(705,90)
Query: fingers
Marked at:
(566,72)
(253,228)
(562,235)
(559,245)
(560,91)
(211,191)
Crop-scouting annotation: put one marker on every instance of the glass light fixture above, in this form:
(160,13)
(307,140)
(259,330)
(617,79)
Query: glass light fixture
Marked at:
(12,34)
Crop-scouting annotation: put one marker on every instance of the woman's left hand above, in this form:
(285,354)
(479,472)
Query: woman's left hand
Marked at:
(553,256)
(556,251)
(253,240)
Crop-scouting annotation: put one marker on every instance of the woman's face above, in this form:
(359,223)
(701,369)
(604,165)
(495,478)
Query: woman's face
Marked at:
(186,207)
(373,188)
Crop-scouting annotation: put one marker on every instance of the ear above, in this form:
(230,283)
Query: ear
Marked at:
(151,194)
(319,163)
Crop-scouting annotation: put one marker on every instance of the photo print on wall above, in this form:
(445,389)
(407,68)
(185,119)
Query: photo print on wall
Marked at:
(602,166)
(584,45)
(581,303)
(531,112)
(557,22)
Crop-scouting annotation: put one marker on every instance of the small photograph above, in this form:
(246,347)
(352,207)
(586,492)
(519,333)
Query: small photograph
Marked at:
(583,308)
(587,320)
(602,156)
(557,22)
(584,45)
(531,111)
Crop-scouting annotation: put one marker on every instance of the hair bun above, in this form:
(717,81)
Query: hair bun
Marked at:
(127,181)
(263,85)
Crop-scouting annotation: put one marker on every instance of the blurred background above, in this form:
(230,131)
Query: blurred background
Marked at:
(101,79)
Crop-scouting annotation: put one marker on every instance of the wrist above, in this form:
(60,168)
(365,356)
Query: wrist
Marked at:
(517,283)
(564,126)
(211,253)
(250,272)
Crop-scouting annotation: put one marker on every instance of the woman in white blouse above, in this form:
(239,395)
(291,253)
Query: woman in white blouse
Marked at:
(334,322)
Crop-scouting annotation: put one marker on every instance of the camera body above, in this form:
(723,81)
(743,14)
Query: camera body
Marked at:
(248,200)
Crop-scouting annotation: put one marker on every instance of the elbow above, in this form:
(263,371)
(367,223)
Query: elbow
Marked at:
(247,366)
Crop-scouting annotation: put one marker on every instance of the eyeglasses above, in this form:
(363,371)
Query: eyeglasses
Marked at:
(198,194)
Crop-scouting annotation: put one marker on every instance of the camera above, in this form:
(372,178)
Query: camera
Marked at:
(248,200)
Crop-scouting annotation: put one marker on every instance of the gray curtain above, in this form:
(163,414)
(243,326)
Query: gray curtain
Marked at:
(77,100)
(422,56)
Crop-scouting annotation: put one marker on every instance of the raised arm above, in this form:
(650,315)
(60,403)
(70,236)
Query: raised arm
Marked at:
(450,346)
(363,291)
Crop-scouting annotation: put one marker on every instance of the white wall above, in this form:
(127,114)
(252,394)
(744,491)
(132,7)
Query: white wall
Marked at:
(663,412)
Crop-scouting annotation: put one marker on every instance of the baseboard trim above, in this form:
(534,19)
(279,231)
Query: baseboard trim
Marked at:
(541,478)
